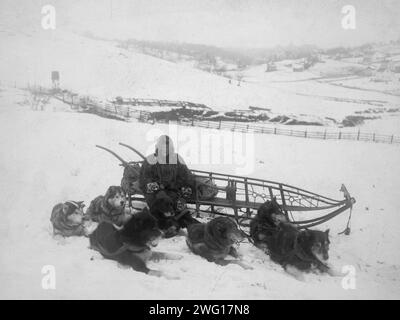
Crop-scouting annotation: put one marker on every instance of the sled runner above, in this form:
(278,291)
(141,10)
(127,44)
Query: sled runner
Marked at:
(240,197)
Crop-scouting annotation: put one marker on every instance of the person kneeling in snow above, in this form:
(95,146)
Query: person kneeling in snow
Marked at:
(166,171)
(68,220)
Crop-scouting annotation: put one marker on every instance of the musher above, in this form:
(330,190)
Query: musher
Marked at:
(165,170)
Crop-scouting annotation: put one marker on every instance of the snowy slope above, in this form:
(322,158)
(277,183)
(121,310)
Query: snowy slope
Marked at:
(50,157)
(102,69)
(322,91)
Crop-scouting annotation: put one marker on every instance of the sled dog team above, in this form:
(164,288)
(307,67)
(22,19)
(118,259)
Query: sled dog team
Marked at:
(128,234)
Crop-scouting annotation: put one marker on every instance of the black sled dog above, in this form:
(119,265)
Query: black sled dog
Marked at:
(132,245)
(295,250)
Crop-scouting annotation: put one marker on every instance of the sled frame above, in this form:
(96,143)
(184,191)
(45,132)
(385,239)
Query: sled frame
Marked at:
(243,196)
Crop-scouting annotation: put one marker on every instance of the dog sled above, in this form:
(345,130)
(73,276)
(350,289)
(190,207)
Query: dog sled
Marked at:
(240,197)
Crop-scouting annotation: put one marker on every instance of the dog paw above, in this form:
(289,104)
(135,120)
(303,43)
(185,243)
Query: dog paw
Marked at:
(334,272)
(170,276)
(157,256)
(155,273)
(246,266)
(296,273)
(241,264)
(240,256)
(165,275)
(122,266)
(174,256)
(300,277)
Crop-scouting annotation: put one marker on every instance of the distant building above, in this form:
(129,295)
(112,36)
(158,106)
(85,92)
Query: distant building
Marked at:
(394,66)
(367,59)
(383,66)
(356,54)
(271,66)
(378,56)
(298,67)
(369,71)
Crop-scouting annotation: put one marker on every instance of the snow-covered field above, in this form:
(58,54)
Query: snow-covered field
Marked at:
(48,157)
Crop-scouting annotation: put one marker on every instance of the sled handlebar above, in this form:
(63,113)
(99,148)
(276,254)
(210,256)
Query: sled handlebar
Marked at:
(123,162)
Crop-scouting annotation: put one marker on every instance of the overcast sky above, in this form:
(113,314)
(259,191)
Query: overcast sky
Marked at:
(236,23)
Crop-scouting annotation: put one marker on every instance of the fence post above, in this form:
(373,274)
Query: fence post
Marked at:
(373,137)
(391,140)
(325,134)
(192,121)
(274,130)
(291,132)
(219,127)
(358,134)
(305,134)
(340,135)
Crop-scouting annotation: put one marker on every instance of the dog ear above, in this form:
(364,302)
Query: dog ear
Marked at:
(327,232)
(112,191)
(65,208)
(109,193)
(80,204)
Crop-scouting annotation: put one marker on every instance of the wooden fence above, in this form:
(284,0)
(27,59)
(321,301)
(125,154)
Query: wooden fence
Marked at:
(324,135)
(128,111)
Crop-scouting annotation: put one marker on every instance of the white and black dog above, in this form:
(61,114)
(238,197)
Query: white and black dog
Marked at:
(112,207)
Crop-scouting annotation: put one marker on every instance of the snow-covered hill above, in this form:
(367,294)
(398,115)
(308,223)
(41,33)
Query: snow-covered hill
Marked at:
(101,68)
(48,157)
